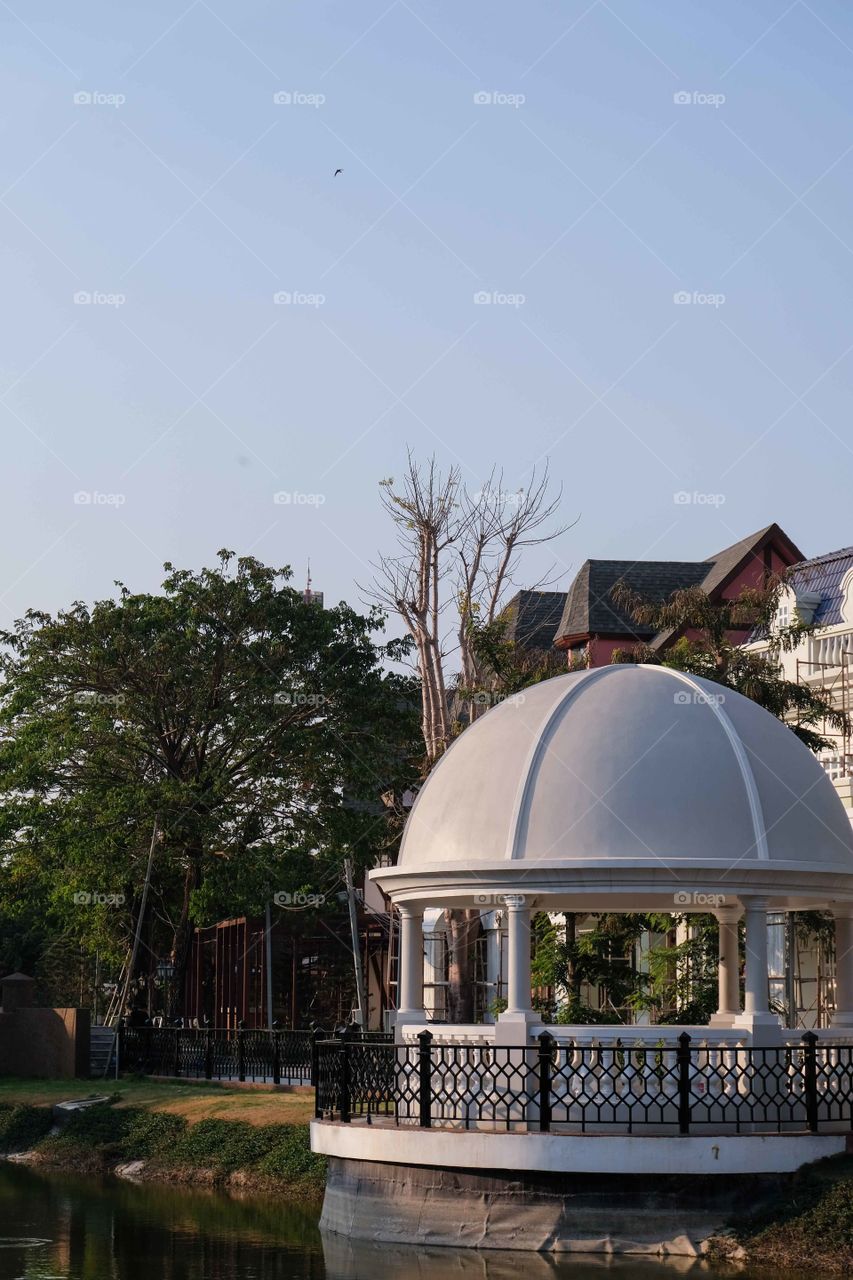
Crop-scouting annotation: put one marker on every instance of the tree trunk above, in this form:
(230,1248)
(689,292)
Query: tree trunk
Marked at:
(463,927)
(182,939)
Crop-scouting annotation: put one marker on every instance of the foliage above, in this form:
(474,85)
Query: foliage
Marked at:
(257,730)
(714,650)
(282,1151)
(599,957)
(279,1151)
(21,1127)
(290,1157)
(809,1225)
(505,667)
(153,1133)
(682,984)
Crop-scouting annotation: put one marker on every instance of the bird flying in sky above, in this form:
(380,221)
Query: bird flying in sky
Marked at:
(337,171)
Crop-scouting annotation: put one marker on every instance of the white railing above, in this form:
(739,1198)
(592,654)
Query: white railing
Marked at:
(611,1036)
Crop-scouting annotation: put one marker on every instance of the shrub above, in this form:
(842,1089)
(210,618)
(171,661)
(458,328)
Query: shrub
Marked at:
(224,1144)
(152,1133)
(21,1127)
(100,1126)
(276,1150)
(291,1157)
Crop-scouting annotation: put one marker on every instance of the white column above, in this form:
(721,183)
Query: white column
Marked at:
(518,1012)
(756,1014)
(755,986)
(518,976)
(728,998)
(843,966)
(435,946)
(410,991)
(492,923)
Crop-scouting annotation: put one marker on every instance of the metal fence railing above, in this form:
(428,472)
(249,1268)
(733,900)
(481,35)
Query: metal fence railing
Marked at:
(252,1054)
(567,1087)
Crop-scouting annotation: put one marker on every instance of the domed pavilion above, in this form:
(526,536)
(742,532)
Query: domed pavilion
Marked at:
(620,789)
(628,788)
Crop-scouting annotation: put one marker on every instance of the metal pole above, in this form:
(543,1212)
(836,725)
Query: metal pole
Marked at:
(810,1079)
(683,1064)
(140,918)
(791,970)
(356,949)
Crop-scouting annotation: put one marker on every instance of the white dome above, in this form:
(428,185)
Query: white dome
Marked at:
(632,766)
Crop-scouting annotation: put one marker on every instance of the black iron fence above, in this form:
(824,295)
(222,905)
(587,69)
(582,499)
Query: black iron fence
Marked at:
(560,1087)
(252,1054)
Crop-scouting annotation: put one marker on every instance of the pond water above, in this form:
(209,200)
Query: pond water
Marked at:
(86,1229)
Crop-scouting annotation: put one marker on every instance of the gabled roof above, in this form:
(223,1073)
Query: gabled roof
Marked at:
(731,560)
(727,562)
(825,575)
(590,608)
(532,618)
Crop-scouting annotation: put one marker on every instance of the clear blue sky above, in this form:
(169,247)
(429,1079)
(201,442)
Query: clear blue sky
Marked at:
(183,187)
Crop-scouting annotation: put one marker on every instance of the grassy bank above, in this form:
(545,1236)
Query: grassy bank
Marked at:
(205,1134)
(810,1227)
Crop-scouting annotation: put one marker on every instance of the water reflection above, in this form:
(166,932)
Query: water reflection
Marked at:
(82,1229)
(356,1260)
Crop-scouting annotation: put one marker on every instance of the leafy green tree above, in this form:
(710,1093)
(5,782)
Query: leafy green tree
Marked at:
(710,644)
(254,730)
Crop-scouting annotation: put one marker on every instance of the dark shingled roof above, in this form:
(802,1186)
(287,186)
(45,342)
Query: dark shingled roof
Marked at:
(533,617)
(590,609)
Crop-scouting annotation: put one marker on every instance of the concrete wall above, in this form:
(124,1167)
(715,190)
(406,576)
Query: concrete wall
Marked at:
(45,1043)
(653,1215)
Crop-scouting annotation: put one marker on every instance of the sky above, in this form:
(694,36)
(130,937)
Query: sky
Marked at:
(611,236)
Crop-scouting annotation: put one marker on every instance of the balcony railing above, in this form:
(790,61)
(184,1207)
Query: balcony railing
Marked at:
(566,1087)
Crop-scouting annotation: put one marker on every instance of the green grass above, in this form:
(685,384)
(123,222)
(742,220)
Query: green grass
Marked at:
(185,1130)
(194,1100)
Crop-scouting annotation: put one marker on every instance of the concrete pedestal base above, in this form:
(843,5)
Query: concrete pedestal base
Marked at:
(652,1215)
